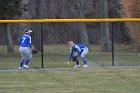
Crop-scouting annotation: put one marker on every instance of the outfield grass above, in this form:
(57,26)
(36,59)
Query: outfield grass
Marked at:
(71,81)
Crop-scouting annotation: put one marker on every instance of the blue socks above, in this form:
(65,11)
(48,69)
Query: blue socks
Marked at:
(27,61)
(84,60)
(77,62)
(21,62)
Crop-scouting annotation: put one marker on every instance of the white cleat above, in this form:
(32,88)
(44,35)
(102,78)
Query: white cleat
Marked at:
(76,66)
(85,66)
(26,66)
(20,68)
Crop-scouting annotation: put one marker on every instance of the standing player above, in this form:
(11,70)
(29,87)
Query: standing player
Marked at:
(81,50)
(25,45)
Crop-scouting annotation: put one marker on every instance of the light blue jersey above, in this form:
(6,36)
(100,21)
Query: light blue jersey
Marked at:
(78,48)
(25,41)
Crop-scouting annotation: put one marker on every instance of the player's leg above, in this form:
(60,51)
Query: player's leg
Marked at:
(84,60)
(83,56)
(77,62)
(28,57)
(23,57)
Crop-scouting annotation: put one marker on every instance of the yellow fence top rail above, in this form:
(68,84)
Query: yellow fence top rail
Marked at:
(71,20)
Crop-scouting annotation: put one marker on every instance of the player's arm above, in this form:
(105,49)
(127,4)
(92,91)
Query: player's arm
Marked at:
(79,51)
(30,43)
(20,40)
(71,54)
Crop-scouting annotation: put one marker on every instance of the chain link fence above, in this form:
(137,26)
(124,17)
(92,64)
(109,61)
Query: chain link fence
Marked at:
(54,55)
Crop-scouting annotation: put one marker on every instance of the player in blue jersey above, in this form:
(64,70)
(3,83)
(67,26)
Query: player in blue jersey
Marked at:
(25,45)
(81,51)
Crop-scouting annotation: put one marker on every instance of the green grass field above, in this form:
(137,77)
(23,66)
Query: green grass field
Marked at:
(71,81)
(56,55)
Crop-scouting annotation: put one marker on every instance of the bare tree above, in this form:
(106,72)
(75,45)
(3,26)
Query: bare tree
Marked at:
(9,41)
(82,26)
(10,9)
(105,36)
(37,27)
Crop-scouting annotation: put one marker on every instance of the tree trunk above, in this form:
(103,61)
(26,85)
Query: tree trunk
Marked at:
(83,34)
(37,36)
(9,40)
(82,26)
(105,36)
(37,27)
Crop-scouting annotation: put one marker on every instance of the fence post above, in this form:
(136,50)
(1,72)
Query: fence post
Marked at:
(42,61)
(112,44)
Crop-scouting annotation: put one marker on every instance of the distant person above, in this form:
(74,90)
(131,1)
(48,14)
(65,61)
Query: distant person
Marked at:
(25,45)
(81,51)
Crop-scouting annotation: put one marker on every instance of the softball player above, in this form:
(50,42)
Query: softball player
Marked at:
(25,45)
(81,50)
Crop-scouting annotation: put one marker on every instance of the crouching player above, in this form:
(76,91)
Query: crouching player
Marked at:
(81,50)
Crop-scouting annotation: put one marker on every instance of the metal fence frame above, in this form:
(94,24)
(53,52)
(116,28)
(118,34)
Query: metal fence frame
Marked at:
(41,21)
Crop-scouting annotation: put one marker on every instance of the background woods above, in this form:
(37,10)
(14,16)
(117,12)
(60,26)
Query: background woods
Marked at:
(87,33)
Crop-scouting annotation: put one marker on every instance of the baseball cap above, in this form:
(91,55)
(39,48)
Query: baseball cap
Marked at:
(71,42)
(28,31)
